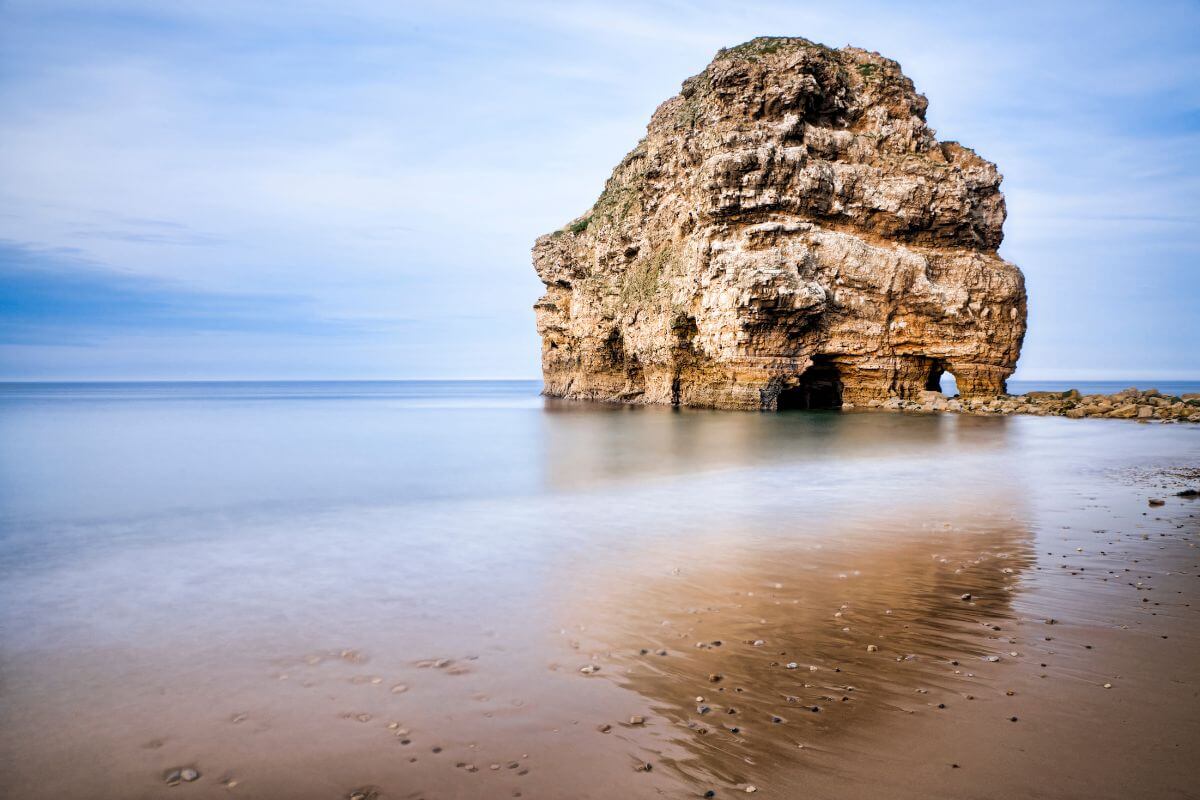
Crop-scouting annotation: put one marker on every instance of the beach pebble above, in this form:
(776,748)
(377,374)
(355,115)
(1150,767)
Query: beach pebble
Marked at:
(174,777)
(1108,686)
(871,648)
(637,719)
(590,669)
(965,596)
(604,728)
(1154,501)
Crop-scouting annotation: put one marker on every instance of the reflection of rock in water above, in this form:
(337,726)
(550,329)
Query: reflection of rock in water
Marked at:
(780,651)
(588,443)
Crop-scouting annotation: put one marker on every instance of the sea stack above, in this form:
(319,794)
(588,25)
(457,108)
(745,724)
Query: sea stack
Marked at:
(789,233)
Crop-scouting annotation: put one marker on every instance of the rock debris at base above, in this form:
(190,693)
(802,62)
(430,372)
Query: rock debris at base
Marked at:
(1131,404)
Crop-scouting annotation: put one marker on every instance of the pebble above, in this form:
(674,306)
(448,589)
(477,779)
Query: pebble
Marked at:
(965,596)
(637,720)
(173,777)
(605,728)
(871,648)
(1108,686)
(589,669)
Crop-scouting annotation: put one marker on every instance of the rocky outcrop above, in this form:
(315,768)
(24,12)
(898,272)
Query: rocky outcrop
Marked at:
(788,233)
(1147,405)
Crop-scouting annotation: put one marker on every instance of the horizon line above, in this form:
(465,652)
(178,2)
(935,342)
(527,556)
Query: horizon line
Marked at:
(10,381)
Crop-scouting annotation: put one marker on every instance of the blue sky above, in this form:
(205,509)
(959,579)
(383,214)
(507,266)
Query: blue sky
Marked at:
(350,190)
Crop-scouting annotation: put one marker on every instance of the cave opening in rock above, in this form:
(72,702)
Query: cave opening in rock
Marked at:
(941,380)
(819,387)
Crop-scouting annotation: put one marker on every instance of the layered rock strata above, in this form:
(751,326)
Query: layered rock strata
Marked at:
(789,233)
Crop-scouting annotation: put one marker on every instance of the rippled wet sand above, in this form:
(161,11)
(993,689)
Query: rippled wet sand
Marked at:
(829,606)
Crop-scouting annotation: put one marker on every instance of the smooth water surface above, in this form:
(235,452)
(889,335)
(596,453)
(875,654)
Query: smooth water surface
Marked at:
(307,589)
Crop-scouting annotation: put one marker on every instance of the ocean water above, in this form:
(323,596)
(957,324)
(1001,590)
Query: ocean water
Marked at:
(305,589)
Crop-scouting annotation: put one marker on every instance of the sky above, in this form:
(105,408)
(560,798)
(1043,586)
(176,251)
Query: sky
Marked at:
(308,190)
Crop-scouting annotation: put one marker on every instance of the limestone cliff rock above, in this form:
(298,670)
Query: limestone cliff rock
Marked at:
(789,232)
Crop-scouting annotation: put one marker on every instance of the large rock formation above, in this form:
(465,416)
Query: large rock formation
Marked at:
(788,233)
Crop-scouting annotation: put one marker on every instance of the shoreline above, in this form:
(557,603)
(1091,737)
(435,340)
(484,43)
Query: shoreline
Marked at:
(659,603)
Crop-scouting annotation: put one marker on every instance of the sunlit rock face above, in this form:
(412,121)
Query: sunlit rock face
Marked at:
(789,233)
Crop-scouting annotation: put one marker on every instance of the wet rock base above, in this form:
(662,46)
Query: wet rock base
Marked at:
(1132,403)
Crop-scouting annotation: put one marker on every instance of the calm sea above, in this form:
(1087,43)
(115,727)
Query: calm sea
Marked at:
(308,588)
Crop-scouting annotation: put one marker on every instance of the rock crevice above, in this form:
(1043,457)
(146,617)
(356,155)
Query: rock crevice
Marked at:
(789,231)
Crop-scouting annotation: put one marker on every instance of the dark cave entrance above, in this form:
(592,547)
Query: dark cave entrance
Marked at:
(819,387)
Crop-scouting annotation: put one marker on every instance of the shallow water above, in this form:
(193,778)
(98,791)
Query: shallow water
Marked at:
(257,579)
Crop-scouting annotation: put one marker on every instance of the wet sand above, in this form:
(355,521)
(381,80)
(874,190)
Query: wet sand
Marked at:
(917,608)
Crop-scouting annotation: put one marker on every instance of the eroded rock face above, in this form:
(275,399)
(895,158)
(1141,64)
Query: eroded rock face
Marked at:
(789,232)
